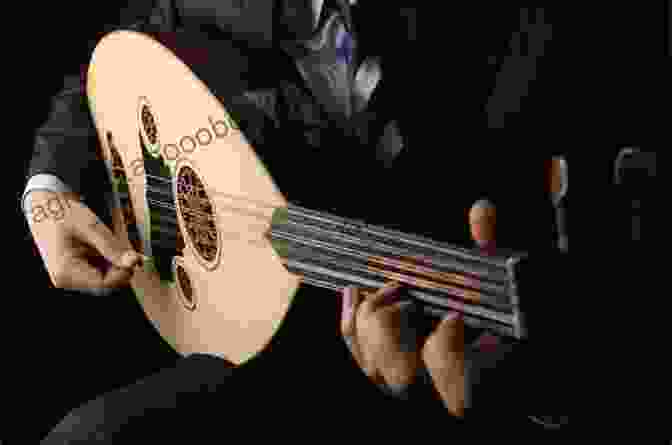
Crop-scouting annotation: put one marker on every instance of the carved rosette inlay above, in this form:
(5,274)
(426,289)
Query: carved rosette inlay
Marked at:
(197,213)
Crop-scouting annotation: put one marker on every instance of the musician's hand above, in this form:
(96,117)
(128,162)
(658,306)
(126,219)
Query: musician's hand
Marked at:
(79,251)
(380,337)
(444,351)
(443,356)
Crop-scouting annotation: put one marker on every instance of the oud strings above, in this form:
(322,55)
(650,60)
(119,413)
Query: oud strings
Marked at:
(333,283)
(333,252)
(308,252)
(320,245)
(378,242)
(361,259)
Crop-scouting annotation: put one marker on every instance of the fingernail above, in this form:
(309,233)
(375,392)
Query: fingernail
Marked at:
(482,222)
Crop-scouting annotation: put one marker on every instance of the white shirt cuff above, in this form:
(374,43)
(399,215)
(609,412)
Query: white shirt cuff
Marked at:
(42,181)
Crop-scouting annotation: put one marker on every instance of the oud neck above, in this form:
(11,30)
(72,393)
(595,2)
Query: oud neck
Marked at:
(333,252)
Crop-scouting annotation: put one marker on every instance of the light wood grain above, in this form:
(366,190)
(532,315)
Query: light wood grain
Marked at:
(243,299)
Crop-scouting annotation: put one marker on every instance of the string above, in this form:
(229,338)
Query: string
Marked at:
(378,259)
(360,226)
(303,212)
(334,276)
(190,187)
(363,261)
(254,201)
(409,267)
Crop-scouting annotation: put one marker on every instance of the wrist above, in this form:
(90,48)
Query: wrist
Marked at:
(44,204)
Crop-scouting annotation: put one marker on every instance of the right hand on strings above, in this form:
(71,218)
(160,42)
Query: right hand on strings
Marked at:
(78,250)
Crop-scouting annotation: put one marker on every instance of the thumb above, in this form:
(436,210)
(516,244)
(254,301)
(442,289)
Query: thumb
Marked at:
(483,224)
(95,232)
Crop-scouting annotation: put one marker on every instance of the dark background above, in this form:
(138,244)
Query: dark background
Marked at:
(587,97)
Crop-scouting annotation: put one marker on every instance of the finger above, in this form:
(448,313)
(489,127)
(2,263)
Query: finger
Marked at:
(350,297)
(483,224)
(116,277)
(400,369)
(92,230)
(364,362)
(385,295)
(401,321)
(84,277)
(353,347)
(399,316)
(558,178)
(559,183)
(398,307)
(451,331)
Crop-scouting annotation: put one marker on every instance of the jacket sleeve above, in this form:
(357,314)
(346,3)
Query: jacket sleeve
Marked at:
(64,145)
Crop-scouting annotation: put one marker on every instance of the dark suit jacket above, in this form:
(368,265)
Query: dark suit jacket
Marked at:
(253,35)
(443,106)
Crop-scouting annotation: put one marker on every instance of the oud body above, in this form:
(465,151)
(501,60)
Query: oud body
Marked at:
(181,170)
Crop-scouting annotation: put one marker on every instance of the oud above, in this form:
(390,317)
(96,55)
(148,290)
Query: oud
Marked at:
(225,250)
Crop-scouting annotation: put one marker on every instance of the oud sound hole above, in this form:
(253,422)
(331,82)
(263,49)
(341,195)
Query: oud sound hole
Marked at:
(197,214)
(149,124)
(121,181)
(185,287)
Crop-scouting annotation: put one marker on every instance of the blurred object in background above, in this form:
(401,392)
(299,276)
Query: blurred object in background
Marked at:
(634,176)
(559,183)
